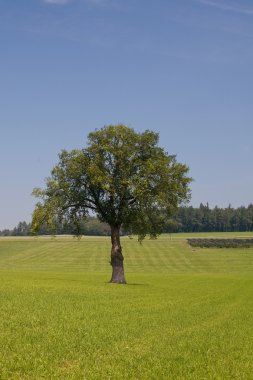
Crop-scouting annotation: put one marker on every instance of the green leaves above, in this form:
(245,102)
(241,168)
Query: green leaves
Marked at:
(122,176)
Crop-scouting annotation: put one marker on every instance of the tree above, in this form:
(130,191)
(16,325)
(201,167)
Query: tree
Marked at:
(121,176)
(22,229)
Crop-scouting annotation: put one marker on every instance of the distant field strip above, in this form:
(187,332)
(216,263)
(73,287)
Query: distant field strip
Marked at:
(93,255)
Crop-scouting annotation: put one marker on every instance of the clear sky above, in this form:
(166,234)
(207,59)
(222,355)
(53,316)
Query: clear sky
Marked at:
(183,68)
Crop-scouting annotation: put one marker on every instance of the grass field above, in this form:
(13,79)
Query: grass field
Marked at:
(185,314)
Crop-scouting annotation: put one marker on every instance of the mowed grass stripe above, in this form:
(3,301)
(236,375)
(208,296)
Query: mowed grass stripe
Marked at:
(89,255)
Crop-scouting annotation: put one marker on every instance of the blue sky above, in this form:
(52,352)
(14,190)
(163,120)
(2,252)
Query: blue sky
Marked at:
(182,68)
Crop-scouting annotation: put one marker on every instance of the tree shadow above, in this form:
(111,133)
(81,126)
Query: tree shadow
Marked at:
(129,284)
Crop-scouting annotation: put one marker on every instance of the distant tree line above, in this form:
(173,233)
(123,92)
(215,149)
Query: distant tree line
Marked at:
(187,219)
(22,229)
(205,219)
(90,226)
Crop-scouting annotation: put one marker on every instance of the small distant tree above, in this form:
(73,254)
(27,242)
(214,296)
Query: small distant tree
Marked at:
(123,177)
(22,229)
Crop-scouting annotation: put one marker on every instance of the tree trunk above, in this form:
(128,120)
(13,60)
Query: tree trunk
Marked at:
(118,276)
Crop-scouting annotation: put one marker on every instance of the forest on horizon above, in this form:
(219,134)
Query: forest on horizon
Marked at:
(186,219)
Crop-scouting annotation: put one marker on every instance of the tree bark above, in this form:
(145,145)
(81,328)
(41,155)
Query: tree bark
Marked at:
(117,259)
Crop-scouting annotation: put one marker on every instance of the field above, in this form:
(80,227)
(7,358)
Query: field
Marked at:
(186,312)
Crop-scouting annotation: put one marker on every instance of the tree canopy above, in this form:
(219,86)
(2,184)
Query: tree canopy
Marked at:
(123,177)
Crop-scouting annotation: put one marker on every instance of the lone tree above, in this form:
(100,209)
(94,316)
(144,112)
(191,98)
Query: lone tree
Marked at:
(123,177)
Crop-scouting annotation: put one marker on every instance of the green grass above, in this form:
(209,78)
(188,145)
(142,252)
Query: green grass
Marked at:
(186,313)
